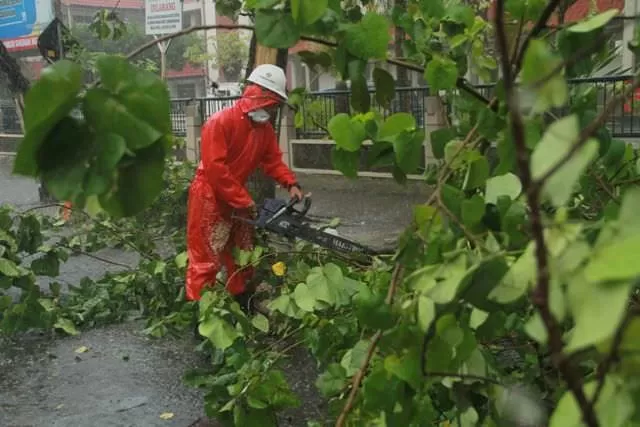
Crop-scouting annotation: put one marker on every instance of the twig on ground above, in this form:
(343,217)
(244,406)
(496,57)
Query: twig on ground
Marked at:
(86,215)
(541,292)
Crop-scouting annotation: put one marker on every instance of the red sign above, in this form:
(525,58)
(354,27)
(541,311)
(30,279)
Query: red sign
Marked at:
(628,107)
(21,44)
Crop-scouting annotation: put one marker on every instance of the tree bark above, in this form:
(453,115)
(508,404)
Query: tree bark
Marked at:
(261,186)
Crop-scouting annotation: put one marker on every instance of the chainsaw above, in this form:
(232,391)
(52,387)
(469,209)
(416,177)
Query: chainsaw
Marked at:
(282,218)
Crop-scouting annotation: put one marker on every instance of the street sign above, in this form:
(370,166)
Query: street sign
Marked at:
(21,21)
(163,16)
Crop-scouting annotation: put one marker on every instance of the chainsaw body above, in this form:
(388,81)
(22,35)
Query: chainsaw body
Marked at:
(282,218)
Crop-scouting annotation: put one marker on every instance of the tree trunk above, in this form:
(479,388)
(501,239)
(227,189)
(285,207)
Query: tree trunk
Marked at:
(261,186)
(402,98)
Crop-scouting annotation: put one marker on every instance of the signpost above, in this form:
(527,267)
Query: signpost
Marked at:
(163,17)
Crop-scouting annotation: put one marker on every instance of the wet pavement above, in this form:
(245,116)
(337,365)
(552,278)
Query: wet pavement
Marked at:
(125,379)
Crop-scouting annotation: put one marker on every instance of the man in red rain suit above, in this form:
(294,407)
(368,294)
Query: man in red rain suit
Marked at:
(234,143)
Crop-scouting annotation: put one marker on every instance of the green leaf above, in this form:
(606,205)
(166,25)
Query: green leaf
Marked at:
(219,332)
(139,90)
(477,173)
(66,325)
(8,268)
(107,113)
(614,408)
(615,261)
(369,38)
(50,99)
(594,22)
(407,368)
(285,305)
(260,322)
(110,149)
(555,145)
(478,317)
(274,389)
(408,149)
(518,279)
(385,87)
(454,154)
(426,312)
(441,73)
(181,259)
(346,162)
(332,381)
(433,8)
(502,185)
(539,65)
(372,310)
(360,96)
(441,282)
(138,184)
(306,12)
(304,298)
(276,29)
(394,125)
(439,140)
(46,265)
(615,154)
(597,312)
(472,210)
(352,359)
(348,134)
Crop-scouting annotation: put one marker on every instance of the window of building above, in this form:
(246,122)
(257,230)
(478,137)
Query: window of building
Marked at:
(192,18)
(186,90)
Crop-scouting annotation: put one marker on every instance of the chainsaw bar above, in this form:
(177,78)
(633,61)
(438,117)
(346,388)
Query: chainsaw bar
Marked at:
(280,217)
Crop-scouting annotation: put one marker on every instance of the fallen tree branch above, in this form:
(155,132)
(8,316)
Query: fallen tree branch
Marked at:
(396,278)
(540,295)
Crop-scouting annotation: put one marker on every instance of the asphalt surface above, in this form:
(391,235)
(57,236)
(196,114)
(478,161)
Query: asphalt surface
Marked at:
(127,380)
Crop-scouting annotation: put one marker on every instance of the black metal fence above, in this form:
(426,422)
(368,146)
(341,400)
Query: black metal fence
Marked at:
(319,107)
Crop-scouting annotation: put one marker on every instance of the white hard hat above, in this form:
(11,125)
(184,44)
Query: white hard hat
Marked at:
(270,77)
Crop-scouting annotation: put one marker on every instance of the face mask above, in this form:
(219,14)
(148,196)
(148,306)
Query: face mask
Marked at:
(259,116)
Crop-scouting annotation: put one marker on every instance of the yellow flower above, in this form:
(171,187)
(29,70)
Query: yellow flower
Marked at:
(279,268)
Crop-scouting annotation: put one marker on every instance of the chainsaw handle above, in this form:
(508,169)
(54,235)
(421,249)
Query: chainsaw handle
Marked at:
(306,200)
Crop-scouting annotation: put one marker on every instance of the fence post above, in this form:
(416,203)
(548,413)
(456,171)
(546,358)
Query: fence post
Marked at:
(434,119)
(193,123)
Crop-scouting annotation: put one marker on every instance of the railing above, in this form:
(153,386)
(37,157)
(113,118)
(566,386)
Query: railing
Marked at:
(624,120)
(10,128)
(208,106)
(320,107)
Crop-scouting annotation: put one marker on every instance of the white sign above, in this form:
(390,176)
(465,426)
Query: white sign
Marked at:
(163,16)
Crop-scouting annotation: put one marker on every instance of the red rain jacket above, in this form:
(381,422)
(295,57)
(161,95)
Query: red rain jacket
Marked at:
(232,148)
